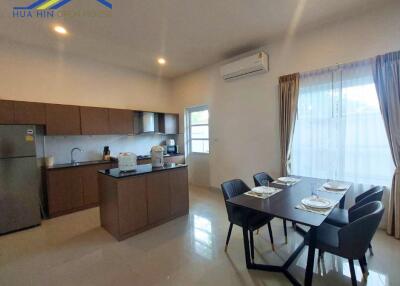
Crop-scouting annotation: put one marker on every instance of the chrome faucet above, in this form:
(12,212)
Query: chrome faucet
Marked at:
(72,154)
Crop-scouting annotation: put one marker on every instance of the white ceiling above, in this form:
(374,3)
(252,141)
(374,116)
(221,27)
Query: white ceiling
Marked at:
(189,33)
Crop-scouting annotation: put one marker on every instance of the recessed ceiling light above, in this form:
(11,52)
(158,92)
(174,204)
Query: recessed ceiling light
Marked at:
(60,29)
(161,61)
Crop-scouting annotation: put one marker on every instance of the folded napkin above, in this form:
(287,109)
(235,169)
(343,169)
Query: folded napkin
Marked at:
(323,212)
(263,192)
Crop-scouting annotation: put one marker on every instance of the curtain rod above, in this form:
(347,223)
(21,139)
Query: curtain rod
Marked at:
(338,65)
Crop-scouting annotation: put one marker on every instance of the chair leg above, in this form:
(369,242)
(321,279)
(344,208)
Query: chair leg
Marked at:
(353,273)
(285,230)
(252,245)
(320,255)
(362,266)
(364,261)
(228,237)
(370,250)
(271,236)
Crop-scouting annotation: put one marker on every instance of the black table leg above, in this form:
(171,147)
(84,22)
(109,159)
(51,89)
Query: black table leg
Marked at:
(341,203)
(311,255)
(246,247)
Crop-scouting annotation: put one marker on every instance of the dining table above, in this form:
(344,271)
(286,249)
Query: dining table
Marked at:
(284,205)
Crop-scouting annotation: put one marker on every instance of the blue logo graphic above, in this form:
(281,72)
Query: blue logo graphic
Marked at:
(55,4)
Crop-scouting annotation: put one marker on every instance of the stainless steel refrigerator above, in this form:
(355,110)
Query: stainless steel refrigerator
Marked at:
(20,177)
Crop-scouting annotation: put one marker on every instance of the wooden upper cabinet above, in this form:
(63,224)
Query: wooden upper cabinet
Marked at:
(6,112)
(29,113)
(169,123)
(120,121)
(94,121)
(63,120)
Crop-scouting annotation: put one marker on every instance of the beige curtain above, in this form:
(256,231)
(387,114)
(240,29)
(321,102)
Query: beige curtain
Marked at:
(387,82)
(288,99)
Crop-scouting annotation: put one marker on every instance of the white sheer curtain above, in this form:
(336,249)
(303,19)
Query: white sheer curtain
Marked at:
(339,132)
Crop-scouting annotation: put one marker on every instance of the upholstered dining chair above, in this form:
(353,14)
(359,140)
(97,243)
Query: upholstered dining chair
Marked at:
(351,241)
(263,179)
(341,217)
(237,216)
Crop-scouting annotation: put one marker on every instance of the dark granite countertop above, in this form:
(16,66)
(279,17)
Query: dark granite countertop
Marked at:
(98,162)
(140,170)
(79,164)
(146,157)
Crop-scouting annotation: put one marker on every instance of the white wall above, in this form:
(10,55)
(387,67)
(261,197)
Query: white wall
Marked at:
(244,117)
(38,75)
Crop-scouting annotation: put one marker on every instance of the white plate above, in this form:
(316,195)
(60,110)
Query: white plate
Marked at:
(336,186)
(317,203)
(263,190)
(287,180)
(260,190)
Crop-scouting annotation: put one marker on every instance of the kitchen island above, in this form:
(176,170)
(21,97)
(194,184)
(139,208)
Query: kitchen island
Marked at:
(135,201)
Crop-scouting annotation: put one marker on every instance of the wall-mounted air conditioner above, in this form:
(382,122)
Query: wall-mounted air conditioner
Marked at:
(249,65)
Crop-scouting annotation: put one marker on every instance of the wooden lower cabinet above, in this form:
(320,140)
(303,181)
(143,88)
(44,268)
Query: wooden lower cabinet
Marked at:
(135,204)
(129,204)
(158,196)
(90,185)
(73,189)
(64,191)
(179,196)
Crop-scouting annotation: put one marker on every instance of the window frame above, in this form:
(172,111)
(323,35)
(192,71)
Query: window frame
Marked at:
(189,124)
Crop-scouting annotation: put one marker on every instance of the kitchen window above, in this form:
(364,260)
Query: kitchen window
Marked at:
(197,129)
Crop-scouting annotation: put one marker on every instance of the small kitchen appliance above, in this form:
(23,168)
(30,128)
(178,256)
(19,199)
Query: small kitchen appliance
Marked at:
(172,148)
(157,156)
(127,162)
(106,153)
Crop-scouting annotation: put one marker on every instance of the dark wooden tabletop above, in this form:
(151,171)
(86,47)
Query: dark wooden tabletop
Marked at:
(283,204)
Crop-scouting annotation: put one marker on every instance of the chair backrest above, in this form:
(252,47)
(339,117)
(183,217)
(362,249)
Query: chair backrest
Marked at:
(371,197)
(355,237)
(262,179)
(367,193)
(232,189)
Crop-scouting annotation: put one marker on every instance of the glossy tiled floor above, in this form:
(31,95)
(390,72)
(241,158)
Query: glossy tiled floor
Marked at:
(74,250)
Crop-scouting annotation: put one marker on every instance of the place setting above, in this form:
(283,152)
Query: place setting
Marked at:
(335,187)
(316,204)
(286,181)
(263,192)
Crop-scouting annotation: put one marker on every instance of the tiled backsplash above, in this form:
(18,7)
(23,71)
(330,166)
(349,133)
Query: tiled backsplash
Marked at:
(60,146)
